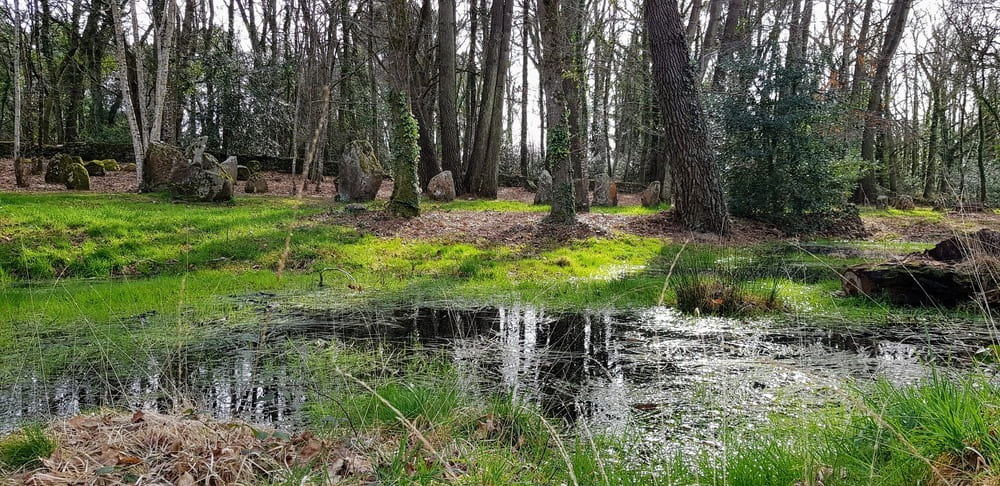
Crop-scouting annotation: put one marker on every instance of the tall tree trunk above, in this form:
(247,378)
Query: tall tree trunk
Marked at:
(483,164)
(19,178)
(523,156)
(695,183)
(576,100)
(708,42)
(554,66)
(451,156)
(936,113)
(729,43)
(867,190)
(471,101)
(980,149)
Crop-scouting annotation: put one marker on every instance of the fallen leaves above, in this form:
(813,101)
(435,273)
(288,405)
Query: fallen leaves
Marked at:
(152,448)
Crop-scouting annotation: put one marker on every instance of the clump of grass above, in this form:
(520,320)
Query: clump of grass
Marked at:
(712,295)
(426,405)
(508,422)
(25,448)
(940,429)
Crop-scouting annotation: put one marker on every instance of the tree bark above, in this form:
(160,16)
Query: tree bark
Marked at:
(699,202)
(554,65)
(122,59)
(483,164)
(19,178)
(451,156)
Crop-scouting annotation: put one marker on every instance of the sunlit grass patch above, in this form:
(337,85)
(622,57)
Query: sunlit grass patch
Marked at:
(25,448)
(922,214)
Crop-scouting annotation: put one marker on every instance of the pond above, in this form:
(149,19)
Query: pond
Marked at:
(668,376)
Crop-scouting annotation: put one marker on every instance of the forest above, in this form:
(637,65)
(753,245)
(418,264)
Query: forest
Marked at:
(706,242)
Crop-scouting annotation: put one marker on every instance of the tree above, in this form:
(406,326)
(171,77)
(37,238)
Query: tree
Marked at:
(138,145)
(19,178)
(483,164)
(699,202)
(554,66)
(451,156)
(867,190)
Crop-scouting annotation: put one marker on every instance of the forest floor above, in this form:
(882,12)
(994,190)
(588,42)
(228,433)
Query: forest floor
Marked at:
(91,280)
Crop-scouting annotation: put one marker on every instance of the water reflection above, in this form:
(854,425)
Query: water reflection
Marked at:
(671,375)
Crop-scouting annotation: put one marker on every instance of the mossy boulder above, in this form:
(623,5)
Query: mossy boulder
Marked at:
(202,178)
(242,173)
(111,165)
(59,167)
(78,178)
(94,168)
(160,161)
(128,167)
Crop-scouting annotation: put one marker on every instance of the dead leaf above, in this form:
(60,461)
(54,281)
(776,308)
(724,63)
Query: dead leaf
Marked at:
(185,480)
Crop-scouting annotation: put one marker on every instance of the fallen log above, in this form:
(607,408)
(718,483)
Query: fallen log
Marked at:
(957,270)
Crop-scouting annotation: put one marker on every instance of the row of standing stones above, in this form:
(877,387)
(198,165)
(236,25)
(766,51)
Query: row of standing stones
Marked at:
(72,171)
(360,175)
(190,175)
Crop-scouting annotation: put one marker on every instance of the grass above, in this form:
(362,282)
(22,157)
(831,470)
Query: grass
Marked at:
(920,214)
(25,448)
(86,283)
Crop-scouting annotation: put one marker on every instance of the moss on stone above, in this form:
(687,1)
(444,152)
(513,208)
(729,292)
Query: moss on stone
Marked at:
(78,178)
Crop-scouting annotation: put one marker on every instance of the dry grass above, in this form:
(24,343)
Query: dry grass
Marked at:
(182,449)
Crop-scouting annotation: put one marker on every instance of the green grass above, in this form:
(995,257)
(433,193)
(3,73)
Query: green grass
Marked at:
(25,448)
(920,214)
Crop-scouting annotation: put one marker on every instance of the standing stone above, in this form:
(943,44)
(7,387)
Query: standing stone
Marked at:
(257,184)
(882,202)
(360,174)
(94,168)
(903,203)
(78,178)
(37,165)
(231,166)
(59,168)
(202,178)
(442,187)
(543,194)
(581,195)
(160,161)
(605,191)
(651,196)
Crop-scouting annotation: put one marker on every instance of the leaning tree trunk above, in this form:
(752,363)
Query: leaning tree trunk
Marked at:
(867,190)
(698,199)
(133,124)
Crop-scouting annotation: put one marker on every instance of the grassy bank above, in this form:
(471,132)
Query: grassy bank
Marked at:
(102,258)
